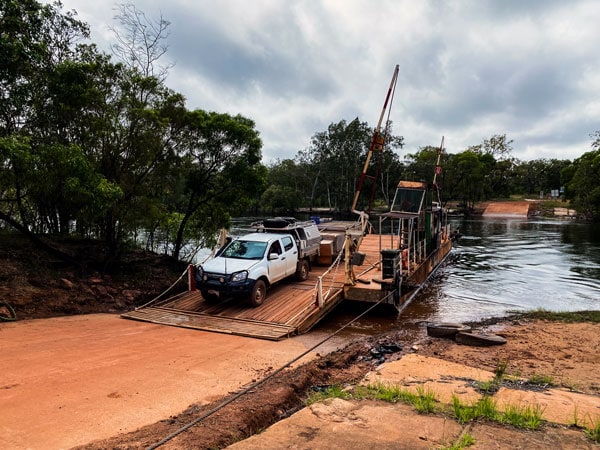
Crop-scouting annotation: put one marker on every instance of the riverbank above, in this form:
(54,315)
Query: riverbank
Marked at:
(555,361)
(87,378)
(135,387)
(38,285)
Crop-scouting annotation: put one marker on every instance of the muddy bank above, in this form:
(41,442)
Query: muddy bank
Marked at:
(283,395)
(38,285)
(133,388)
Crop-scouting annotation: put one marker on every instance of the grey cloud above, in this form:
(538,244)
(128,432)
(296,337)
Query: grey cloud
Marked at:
(468,68)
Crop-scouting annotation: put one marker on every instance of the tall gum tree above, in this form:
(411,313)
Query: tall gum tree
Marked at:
(221,155)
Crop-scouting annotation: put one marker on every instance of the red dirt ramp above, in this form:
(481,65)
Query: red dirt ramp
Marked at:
(507,209)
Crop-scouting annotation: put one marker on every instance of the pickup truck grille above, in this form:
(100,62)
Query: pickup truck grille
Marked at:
(217,277)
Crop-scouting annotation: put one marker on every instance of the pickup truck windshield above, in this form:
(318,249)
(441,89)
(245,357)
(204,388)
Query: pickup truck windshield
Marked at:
(245,250)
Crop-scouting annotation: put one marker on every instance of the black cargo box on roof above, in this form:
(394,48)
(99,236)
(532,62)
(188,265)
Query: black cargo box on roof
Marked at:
(278,222)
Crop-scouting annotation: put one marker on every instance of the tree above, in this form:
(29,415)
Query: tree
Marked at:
(35,40)
(539,175)
(498,146)
(107,145)
(584,183)
(221,156)
(335,159)
(468,171)
(422,163)
(289,186)
(495,154)
(141,41)
(280,199)
(596,142)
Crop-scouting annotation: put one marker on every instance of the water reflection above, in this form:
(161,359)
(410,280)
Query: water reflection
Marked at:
(498,266)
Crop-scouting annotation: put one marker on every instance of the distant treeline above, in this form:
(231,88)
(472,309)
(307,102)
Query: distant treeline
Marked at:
(99,147)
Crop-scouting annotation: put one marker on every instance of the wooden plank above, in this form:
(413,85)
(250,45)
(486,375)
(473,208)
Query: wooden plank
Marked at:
(285,309)
(204,322)
(290,307)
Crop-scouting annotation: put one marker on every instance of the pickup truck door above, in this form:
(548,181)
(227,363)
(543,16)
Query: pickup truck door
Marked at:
(278,266)
(290,253)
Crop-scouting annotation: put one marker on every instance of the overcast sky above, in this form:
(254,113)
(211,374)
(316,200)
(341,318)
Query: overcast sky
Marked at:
(529,69)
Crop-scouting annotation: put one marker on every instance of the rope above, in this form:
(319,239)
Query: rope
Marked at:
(259,382)
(334,275)
(164,292)
(336,265)
(8,315)
(214,251)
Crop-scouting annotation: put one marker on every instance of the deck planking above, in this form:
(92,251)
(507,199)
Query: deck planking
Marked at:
(290,307)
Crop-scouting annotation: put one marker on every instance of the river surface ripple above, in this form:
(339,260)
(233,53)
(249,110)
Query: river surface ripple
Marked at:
(498,266)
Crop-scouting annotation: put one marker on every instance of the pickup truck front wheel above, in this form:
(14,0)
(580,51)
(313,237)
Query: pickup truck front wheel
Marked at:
(210,298)
(259,293)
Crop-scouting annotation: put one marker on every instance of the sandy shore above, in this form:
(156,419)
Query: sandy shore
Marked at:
(99,381)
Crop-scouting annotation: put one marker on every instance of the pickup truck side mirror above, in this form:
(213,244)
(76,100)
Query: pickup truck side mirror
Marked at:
(273,256)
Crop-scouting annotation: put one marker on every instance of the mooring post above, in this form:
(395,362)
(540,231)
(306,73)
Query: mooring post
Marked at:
(320,291)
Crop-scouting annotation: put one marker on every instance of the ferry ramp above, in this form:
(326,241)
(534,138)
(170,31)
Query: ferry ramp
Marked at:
(291,307)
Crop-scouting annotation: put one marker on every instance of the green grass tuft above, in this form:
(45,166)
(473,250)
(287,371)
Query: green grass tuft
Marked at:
(541,380)
(593,432)
(568,317)
(485,407)
(528,417)
(424,401)
(466,440)
(492,386)
(334,391)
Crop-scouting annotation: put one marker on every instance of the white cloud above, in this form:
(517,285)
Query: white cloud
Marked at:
(527,69)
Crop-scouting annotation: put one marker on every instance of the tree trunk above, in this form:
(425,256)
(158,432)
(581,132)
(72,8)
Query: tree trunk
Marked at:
(39,242)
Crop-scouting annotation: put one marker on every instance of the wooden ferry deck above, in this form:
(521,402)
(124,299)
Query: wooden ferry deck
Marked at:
(291,307)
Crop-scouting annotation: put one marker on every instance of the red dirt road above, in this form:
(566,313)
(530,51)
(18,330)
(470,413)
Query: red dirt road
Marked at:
(504,209)
(70,380)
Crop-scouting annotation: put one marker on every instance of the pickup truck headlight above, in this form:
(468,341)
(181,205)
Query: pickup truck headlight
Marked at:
(239,276)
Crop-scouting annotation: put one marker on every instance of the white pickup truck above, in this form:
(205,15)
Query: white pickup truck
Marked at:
(250,264)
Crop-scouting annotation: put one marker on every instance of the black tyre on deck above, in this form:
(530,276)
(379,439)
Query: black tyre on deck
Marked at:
(259,293)
(302,271)
(7,313)
(210,298)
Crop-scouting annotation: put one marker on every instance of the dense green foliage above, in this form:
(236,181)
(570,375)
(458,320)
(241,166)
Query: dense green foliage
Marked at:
(96,148)
(582,179)
(326,173)
(104,149)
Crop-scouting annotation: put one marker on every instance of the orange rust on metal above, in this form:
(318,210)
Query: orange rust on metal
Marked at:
(378,143)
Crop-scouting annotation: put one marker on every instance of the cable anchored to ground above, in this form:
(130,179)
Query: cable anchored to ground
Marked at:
(259,382)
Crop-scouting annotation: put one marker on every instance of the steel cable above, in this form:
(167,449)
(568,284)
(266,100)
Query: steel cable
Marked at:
(259,382)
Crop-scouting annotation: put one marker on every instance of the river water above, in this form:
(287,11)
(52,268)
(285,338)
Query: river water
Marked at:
(498,266)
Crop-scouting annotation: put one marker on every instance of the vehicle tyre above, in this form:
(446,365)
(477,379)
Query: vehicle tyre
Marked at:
(302,271)
(446,330)
(479,339)
(7,313)
(259,293)
(208,297)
